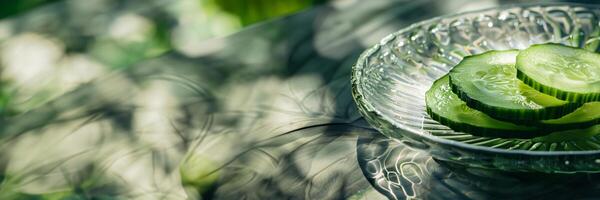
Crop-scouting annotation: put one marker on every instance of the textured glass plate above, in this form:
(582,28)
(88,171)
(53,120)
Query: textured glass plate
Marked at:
(390,79)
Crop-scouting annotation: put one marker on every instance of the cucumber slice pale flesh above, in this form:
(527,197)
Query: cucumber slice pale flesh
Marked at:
(445,107)
(488,83)
(567,73)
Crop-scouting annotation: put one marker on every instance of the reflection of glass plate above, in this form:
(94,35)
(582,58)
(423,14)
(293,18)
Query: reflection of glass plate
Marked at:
(389,82)
(401,172)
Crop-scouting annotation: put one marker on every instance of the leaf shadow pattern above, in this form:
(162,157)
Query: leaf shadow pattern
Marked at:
(268,115)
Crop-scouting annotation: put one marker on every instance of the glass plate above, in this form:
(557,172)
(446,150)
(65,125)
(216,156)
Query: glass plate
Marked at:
(390,79)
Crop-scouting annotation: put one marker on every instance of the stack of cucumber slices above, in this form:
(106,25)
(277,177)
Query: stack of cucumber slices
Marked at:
(541,90)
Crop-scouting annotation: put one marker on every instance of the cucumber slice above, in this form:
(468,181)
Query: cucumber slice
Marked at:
(570,135)
(488,82)
(445,107)
(571,140)
(564,72)
(586,115)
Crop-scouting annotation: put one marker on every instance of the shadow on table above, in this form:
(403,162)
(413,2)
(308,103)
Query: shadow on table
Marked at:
(265,113)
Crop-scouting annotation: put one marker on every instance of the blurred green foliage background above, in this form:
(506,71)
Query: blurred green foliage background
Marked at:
(252,11)
(124,33)
(13,7)
(247,11)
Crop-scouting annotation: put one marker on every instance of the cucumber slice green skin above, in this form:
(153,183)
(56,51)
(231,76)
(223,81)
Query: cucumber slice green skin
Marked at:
(514,101)
(574,86)
(445,107)
(483,131)
(515,115)
(560,94)
(585,116)
(573,135)
(564,127)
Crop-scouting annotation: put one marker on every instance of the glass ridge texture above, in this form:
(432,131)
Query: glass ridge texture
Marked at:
(390,79)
